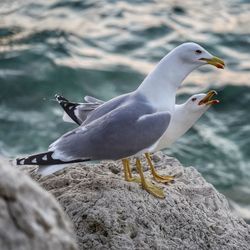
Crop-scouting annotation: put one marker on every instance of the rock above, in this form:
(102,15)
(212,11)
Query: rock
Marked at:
(110,213)
(30,218)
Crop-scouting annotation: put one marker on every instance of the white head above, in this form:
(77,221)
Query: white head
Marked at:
(170,72)
(200,103)
(185,116)
(193,53)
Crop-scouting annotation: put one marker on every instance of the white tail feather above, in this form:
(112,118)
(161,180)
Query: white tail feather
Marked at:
(67,118)
(50,169)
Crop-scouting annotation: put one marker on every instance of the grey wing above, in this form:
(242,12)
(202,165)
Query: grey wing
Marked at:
(88,112)
(91,99)
(121,133)
(78,112)
(108,107)
(82,110)
(75,112)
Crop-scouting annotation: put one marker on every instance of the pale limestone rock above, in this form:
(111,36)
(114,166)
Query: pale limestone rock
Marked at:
(30,218)
(110,213)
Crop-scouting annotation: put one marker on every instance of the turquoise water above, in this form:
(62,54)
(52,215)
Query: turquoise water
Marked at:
(105,48)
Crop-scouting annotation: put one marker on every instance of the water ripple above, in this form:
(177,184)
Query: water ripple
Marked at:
(105,48)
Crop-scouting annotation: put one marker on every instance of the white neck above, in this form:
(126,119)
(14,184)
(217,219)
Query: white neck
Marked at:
(184,118)
(161,84)
(181,121)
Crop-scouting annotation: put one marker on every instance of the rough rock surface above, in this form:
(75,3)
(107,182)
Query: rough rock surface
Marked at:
(110,213)
(30,218)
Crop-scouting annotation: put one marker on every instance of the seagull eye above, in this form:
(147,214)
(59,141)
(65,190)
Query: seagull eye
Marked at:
(198,51)
(194,99)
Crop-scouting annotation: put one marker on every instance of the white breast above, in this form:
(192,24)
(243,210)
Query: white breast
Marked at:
(181,121)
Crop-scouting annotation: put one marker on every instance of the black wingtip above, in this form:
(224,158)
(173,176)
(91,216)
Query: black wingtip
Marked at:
(60,98)
(68,107)
(44,159)
(37,159)
(20,161)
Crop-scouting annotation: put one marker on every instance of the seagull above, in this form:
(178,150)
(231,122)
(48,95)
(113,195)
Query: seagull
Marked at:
(130,124)
(183,118)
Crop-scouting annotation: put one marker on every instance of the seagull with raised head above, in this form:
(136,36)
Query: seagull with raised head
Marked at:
(130,124)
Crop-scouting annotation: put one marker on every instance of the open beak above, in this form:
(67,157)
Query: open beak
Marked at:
(216,61)
(207,100)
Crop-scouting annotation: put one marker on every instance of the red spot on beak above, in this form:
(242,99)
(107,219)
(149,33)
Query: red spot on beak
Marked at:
(215,101)
(219,66)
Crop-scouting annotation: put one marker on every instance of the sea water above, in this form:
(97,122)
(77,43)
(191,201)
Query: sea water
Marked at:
(106,48)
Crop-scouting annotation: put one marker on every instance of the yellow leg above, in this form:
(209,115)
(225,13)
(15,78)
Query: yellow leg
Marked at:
(150,187)
(128,168)
(157,177)
(127,172)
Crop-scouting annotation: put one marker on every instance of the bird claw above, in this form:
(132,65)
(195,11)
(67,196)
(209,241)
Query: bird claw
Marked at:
(165,178)
(154,190)
(134,179)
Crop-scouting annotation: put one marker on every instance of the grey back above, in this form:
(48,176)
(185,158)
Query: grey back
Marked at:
(117,129)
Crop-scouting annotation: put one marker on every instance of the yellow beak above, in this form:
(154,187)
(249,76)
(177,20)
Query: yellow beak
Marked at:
(216,61)
(208,98)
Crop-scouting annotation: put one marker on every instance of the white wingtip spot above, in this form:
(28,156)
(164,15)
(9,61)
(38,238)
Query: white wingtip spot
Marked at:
(34,160)
(45,158)
(22,162)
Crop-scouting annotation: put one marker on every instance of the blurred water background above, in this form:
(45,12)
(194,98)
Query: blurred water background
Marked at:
(105,48)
